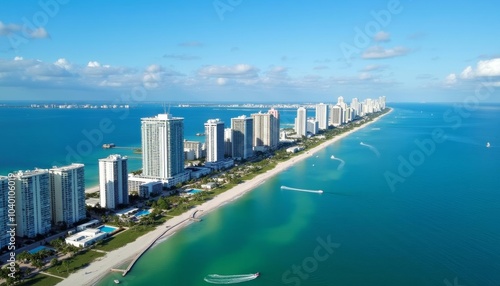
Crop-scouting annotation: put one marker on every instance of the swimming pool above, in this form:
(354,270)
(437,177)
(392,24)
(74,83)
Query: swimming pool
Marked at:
(107,228)
(38,249)
(194,191)
(143,212)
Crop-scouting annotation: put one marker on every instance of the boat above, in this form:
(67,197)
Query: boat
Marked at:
(257,274)
(332,157)
(488,145)
(116,281)
(200,134)
(108,145)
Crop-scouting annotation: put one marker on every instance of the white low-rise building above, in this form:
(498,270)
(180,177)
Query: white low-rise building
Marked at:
(86,237)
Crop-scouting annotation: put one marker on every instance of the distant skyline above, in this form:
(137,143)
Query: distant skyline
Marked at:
(237,50)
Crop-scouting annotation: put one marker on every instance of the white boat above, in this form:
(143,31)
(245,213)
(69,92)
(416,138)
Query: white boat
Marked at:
(332,157)
(488,145)
(116,281)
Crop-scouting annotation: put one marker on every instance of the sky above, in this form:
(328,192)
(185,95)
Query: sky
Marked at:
(249,51)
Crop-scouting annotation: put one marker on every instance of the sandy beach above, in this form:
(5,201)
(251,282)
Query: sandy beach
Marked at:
(99,268)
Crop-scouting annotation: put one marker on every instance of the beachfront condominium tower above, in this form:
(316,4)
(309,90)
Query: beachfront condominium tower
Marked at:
(265,133)
(33,210)
(322,115)
(162,146)
(4,210)
(113,181)
(301,122)
(336,114)
(67,189)
(228,142)
(275,128)
(214,140)
(242,127)
(355,105)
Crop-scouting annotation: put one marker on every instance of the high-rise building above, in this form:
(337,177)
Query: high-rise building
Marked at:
(162,146)
(336,115)
(242,127)
(312,126)
(228,142)
(196,147)
(301,122)
(33,209)
(322,116)
(67,188)
(355,105)
(214,140)
(4,211)
(113,181)
(264,131)
(275,128)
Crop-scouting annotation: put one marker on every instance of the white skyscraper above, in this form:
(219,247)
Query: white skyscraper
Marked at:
(242,127)
(113,181)
(275,128)
(336,115)
(33,210)
(356,107)
(322,116)
(265,130)
(312,126)
(301,121)
(162,146)
(228,142)
(67,188)
(4,211)
(214,140)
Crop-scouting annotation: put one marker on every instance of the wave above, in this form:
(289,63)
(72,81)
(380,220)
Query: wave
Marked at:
(302,190)
(342,162)
(371,148)
(229,279)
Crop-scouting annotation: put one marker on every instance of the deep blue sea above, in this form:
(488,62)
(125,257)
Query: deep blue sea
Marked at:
(417,203)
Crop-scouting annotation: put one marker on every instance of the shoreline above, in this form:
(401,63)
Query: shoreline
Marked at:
(99,268)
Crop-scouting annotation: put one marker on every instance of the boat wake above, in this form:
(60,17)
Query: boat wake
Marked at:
(229,279)
(302,190)
(342,162)
(371,148)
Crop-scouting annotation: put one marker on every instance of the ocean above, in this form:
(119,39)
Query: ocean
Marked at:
(412,199)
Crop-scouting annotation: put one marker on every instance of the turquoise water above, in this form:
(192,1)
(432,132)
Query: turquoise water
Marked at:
(143,212)
(107,228)
(194,191)
(437,224)
(38,249)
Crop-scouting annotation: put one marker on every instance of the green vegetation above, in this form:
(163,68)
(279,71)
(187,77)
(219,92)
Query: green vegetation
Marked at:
(124,238)
(68,266)
(40,280)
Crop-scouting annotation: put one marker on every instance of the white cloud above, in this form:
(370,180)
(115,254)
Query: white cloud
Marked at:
(488,67)
(39,33)
(451,79)
(18,58)
(467,73)
(235,71)
(369,68)
(365,76)
(8,29)
(93,64)
(382,37)
(221,81)
(378,52)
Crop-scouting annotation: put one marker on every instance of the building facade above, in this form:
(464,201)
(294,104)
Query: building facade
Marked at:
(162,146)
(67,188)
(33,205)
(214,140)
(4,211)
(301,122)
(113,181)
(322,116)
(242,127)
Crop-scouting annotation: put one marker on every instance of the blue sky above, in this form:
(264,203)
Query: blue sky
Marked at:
(240,50)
